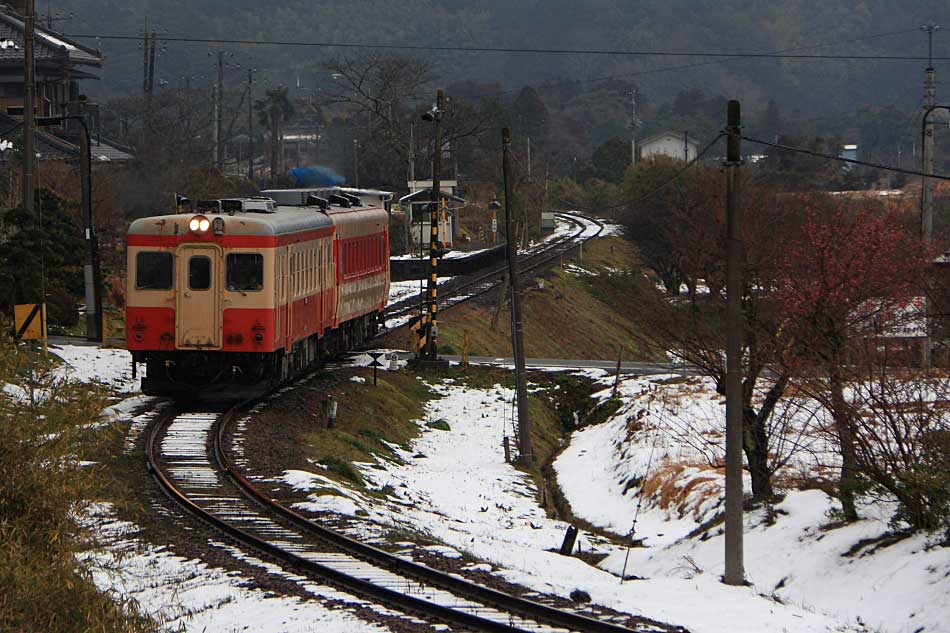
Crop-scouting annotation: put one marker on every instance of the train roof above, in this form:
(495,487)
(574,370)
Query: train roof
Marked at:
(273,221)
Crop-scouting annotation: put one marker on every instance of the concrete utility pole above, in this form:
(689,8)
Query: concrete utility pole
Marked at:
(430,350)
(526,454)
(734,572)
(926,207)
(92,271)
(412,153)
(356,163)
(29,100)
(634,125)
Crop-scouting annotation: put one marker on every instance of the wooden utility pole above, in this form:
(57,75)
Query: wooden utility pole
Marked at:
(927,205)
(734,572)
(219,115)
(250,124)
(29,100)
(430,350)
(526,455)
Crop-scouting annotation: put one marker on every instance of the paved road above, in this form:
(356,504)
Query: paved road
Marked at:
(608,365)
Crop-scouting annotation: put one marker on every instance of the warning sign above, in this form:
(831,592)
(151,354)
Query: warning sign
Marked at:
(29,321)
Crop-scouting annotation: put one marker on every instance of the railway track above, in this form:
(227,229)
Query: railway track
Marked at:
(188,457)
(455,293)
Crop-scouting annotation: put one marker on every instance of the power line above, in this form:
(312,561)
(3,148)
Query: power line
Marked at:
(662,69)
(542,51)
(853,161)
(650,71)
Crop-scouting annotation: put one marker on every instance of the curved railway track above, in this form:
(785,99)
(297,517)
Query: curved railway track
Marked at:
(187,456)
(455,293)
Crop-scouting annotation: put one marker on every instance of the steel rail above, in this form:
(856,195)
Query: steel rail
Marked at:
(522,607)
(405,603)
(526,263)
(411,304)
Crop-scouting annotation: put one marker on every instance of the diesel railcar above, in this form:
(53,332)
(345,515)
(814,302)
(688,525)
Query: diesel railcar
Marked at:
(238,295)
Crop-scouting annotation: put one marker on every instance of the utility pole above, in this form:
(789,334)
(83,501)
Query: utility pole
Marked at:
(219,115)
(92,272)
(734,572)
(926,215)
(686,145)
(145,59)
(430,351)
(356,163)
(215,125)
(634,125)
(29,100)
(412,153)
(526,455)
(250,124)
(528,144)
(148,75)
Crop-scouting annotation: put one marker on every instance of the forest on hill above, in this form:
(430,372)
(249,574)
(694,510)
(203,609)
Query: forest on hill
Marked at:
(808,87)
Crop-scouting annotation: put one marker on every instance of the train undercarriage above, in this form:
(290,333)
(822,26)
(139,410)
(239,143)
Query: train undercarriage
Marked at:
(213,374)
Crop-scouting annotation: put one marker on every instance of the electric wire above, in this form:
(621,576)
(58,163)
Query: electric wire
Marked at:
(853,161)
(662,69)
(503,49)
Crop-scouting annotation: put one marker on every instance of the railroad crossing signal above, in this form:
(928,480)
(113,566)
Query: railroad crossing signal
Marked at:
(27,326)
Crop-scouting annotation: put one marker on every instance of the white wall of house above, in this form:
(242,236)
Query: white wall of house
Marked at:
(671,145)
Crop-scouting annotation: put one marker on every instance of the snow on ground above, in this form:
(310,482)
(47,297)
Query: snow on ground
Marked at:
(399,290)
(189,595)
(455,486)
(111,367)
(901,588)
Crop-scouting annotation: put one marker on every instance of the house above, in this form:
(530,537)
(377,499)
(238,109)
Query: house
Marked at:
(60,64)
(673,144)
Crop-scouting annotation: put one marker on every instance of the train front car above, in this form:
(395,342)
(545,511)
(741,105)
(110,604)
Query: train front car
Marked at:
(207,291)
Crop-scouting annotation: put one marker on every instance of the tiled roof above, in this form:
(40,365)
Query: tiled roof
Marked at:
(50,147)
(48,45)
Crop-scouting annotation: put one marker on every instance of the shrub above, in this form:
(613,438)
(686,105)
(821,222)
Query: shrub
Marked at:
(44,434)
(61,307)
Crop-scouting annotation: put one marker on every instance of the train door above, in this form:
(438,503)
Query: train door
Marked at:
(198,296)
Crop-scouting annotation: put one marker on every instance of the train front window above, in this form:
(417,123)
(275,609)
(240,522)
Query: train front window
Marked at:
(153,270)
(199,272)
(245,272)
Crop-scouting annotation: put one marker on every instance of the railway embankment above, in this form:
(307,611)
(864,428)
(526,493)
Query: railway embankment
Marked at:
(578,308)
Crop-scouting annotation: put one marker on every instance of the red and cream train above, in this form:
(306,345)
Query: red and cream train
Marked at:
(242,293)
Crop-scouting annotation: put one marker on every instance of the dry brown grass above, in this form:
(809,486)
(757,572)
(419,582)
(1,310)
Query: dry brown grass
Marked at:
(572,316)
(666,488)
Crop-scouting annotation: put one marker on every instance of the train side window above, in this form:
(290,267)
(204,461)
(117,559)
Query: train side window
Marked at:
(245,272)
(154,270)
(199,272)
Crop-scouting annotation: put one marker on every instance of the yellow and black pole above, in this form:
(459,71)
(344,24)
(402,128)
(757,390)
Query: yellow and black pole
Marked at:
(429,350)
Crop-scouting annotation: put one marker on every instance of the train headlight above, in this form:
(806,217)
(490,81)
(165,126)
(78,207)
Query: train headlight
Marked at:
(199,224)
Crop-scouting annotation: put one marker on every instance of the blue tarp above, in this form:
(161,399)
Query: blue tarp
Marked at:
(316,176)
